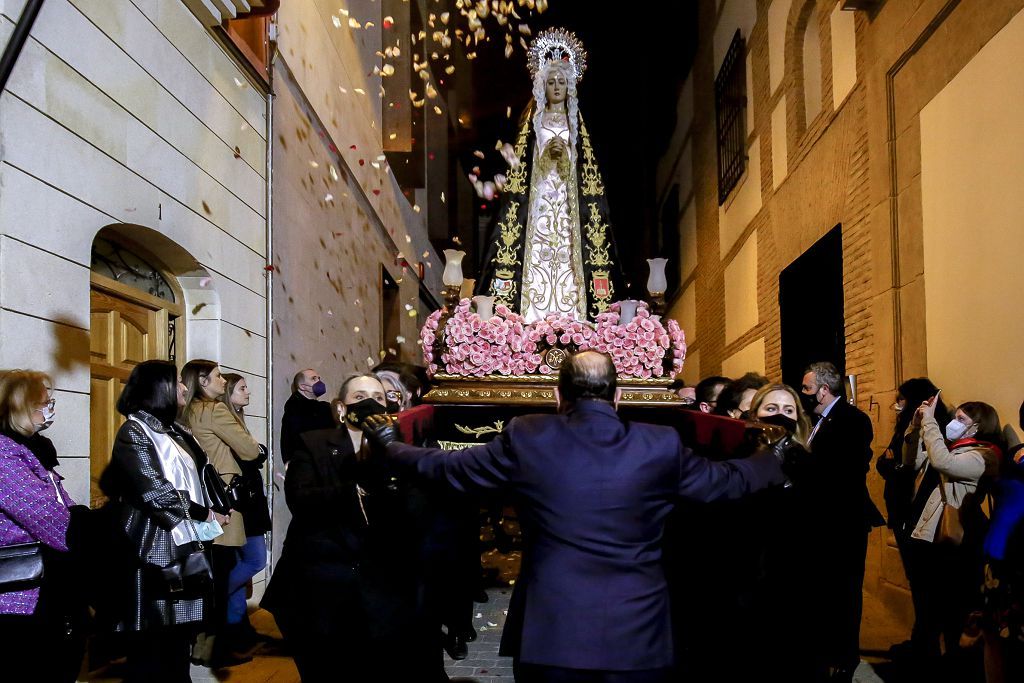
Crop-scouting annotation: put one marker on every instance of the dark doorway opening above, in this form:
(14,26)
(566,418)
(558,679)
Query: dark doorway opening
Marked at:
(811,309)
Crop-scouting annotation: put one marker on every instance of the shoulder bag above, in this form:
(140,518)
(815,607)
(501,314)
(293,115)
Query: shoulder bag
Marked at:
(950,530)
(187,578)
(21,566)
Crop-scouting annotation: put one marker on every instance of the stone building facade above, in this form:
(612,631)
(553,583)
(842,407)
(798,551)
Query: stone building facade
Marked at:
(164,195)
(893,122)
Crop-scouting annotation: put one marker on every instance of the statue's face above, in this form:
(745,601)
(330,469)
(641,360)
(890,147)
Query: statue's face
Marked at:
(556,87)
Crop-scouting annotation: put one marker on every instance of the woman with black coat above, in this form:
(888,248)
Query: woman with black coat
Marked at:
(163,515)
(344,593)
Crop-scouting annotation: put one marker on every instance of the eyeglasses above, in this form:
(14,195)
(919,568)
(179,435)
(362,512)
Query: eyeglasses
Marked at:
(393,395)
(49,404)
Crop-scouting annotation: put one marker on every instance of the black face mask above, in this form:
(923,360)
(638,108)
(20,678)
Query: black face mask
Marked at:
(809,402)
(780,420)
(392,407)
(355,413)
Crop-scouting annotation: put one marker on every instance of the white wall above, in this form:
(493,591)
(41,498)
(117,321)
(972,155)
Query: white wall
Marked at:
(124,112)
(972,166)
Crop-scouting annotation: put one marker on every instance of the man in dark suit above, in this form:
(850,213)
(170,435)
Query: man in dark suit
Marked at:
(591,603)
(841,514)
(303,412)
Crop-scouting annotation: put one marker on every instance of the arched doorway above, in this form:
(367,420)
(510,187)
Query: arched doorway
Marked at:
(136,314)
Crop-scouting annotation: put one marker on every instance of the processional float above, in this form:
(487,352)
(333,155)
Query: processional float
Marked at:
(550,287)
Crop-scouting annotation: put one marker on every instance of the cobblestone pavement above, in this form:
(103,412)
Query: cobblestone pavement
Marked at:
(483,664)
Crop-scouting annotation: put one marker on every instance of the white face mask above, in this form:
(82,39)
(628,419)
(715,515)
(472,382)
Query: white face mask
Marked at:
(48,414)
(955,430)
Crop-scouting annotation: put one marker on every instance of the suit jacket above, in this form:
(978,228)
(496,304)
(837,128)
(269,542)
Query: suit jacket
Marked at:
(593,493)
(302,415)
(841,455)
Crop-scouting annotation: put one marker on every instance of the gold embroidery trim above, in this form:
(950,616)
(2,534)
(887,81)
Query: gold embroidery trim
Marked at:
(481,431)
(509,232)
(592,184)
(517,176)
(598,237)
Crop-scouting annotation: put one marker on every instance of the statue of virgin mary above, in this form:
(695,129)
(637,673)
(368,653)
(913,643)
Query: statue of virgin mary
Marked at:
(553,250)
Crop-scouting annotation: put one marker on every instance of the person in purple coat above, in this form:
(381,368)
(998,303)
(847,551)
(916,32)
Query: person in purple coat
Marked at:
(42,627)
(593,491)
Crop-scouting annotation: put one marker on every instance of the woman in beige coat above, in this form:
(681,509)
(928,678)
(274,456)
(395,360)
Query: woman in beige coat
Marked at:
(952,461)
(223,439)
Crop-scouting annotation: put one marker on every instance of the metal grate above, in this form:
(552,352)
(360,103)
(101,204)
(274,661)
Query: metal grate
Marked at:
(731,117)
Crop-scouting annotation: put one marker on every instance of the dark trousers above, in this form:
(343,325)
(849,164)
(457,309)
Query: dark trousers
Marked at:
(539,673)
(840,599)
(33,649)
(159,656)
(943,579)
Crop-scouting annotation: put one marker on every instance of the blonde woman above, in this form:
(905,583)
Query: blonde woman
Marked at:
(42,623)
(779,404)
(224,439)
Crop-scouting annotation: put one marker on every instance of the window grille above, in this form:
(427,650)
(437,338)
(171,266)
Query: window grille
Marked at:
(731,117)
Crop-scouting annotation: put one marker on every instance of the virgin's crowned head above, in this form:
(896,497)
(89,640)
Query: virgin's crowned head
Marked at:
(556,85)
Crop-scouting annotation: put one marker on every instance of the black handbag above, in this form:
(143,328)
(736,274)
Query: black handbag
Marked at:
(220,501)
(21,566)
(188,578)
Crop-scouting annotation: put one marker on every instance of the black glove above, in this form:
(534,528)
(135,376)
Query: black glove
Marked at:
(380,430)
(792,454)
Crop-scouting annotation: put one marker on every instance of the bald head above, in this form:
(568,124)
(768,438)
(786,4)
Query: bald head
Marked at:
(587,375)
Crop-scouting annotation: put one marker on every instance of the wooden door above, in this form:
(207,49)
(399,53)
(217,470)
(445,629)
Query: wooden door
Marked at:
(127,328)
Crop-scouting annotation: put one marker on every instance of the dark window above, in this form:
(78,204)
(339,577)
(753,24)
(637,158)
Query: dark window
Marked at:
(731,117)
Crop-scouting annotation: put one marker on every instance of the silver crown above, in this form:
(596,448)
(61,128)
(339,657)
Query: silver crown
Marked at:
(557,45)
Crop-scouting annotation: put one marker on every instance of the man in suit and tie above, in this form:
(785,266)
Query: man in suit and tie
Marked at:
(591,603)
(841,515)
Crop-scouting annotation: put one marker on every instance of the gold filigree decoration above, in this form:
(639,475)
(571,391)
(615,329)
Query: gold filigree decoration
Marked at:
(591,182)
(597,235)
(480,431)
(454,445)
(509,232)
(516,183)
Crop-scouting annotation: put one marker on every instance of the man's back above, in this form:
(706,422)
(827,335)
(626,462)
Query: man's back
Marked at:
(594,493)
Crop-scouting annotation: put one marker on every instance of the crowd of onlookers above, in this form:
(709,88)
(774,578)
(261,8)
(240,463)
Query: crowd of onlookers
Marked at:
(379,565)
(954,502)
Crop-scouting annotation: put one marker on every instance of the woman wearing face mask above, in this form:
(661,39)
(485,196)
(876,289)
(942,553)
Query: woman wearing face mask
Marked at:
(42,624)
(254,509)
(778,602)
(748,589)
(343,593)
(958,456)
(224,439)
(165,516)
(905,492)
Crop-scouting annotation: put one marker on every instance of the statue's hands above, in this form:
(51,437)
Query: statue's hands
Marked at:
(380,430)
(556,149)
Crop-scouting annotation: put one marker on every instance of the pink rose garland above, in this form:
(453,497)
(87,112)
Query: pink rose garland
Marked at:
(506,345)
